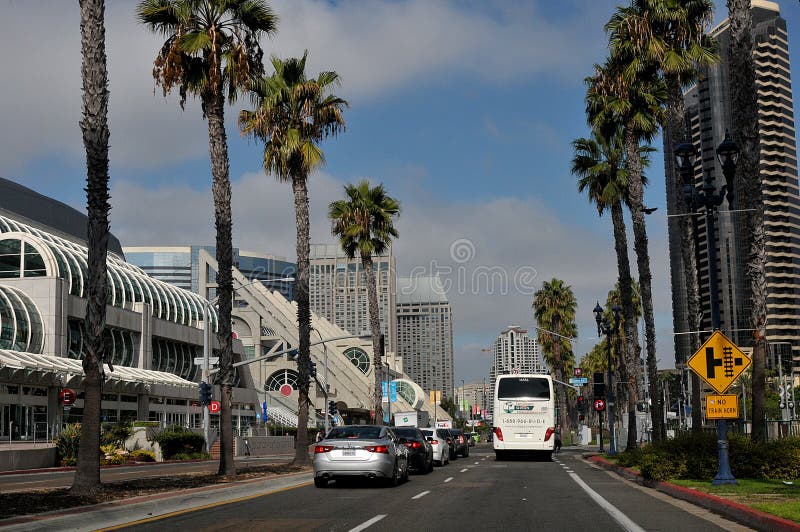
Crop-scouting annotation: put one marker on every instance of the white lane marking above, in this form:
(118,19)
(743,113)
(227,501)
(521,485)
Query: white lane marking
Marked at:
(367,524)
(463,470)
(420,495)
(476,463)
(624,521)
(448,479)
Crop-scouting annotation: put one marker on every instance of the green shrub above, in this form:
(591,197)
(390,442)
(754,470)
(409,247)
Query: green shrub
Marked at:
(143,455)
(658,465)
(67,444)
(178,440)
(116,433)
(191,456)
(630,458)
(145,423)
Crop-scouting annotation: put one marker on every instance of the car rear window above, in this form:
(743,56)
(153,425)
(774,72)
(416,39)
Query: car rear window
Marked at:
(354,433)
(407,433)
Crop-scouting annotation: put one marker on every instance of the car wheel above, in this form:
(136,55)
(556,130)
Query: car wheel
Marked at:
(430,466)
(466,453)
(405,474)
(320,482)
(499,455)
(395,480)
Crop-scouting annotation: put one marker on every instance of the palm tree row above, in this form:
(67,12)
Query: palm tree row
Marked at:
(212,51)
(657,48)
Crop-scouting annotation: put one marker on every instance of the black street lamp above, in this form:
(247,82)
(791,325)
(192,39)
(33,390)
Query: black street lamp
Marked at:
(603,327)
(709,198)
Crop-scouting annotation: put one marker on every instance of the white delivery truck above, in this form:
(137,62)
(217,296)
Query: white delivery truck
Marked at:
(414,418)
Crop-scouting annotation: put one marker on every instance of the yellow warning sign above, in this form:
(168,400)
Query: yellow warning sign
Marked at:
(722,407)
(719,362)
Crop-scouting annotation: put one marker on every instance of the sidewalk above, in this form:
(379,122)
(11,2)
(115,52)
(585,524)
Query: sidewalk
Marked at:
(725,507)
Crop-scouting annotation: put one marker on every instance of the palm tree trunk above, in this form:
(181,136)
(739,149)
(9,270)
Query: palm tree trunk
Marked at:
(631,343)
(744,112)
(559,374)
(221,192)
(375,330)
(300,189)
(635,198)
(675,133)
(94,127)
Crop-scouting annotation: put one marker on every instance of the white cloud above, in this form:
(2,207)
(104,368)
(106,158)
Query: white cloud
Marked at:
(379,48)
(522,239)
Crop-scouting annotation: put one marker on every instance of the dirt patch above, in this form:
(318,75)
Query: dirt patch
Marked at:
(46,500)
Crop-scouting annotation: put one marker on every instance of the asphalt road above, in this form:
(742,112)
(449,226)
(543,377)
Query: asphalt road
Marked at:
(63,479)
(475,493)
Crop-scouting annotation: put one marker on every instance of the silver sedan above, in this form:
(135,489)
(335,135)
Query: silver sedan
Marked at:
(369,451)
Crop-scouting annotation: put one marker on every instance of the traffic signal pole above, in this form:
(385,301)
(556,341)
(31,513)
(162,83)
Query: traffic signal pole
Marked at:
(206,364)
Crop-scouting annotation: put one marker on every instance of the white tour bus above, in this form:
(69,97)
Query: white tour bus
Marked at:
(524,414)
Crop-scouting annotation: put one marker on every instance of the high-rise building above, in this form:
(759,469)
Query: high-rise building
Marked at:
(514,352)
(338,290)
(708,116)
(179,266)
(425,333)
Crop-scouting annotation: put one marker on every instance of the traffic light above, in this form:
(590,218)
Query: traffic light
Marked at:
(312,370)
(205,393)
(599,386)
(332,410)
(581,403)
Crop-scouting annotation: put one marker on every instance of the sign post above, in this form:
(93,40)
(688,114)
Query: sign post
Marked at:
(719,363)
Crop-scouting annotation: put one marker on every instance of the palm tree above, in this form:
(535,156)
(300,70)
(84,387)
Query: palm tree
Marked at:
(94,127)
(554,307)
(672,35)
(744,113)
(292,114)
(211,51)
(364,225)
(599,162)
(616,97)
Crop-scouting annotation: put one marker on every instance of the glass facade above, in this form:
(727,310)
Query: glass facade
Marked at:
(20,322)
(127,284)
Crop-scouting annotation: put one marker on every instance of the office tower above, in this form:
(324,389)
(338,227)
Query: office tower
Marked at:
(179,266)
(338,290)
(425,333)
(708,116)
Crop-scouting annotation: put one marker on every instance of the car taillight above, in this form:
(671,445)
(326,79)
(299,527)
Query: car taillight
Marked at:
(498,433)
(322,449)
(434,442)
(377,449)
(548,433)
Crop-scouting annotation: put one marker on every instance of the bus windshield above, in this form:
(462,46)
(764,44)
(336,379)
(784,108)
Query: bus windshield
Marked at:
(523,388)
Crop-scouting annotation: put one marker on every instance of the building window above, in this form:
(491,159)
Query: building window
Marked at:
(281,378)
(359,358)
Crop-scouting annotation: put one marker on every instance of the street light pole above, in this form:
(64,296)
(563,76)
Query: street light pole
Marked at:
(603,327)
(708,198)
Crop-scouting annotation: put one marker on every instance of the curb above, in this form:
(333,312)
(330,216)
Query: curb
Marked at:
(730,509)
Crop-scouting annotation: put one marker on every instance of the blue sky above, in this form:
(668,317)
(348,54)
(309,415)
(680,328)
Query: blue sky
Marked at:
(464,109)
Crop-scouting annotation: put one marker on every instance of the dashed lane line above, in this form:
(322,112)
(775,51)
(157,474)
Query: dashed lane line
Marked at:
(464,470)
(367,524)
(448,479)
(420,495)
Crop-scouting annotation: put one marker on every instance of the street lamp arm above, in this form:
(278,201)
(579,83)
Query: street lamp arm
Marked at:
(570,338)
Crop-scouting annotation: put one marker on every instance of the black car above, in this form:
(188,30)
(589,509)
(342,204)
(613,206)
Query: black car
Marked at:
(420,452)
(460,442)
(451,443)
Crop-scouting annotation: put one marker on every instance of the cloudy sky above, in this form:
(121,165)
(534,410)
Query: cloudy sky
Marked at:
(465,109)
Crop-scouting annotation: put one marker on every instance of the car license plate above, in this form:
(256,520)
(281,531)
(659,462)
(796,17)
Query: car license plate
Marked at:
(348,452)
(525,435)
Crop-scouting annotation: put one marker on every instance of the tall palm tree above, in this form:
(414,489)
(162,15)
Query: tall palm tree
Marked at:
(211,51)
(672,35)
(364,224)
(94,126)
(554,307)
(292,114)
(633,100)
(744,112)
(599,162)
